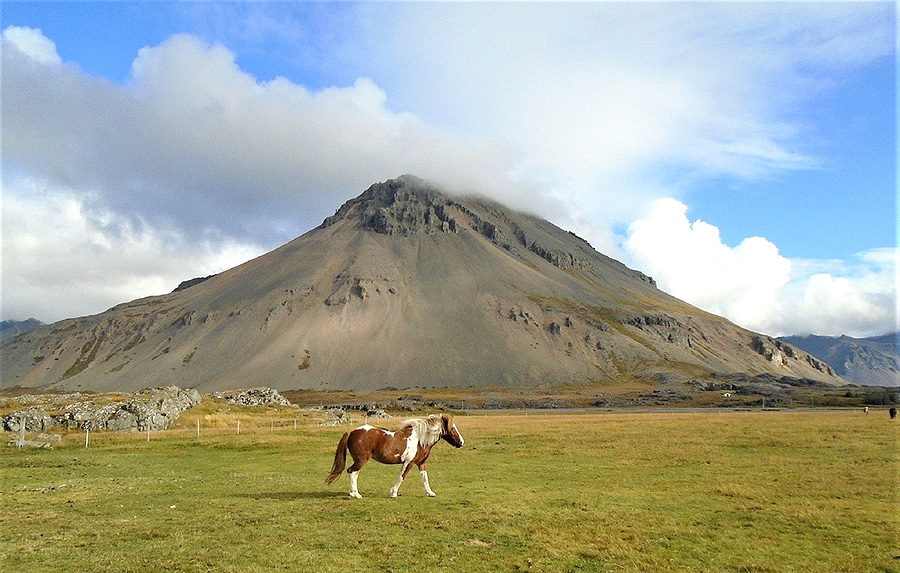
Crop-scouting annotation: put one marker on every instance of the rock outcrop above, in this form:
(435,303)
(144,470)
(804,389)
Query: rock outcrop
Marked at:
(253,397)
(191,282)
(149,409)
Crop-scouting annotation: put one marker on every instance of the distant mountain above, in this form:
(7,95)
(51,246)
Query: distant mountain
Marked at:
(14,327)
(404,286)
(873,361)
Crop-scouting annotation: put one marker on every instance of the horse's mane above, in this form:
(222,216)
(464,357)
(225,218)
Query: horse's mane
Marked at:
(428,429)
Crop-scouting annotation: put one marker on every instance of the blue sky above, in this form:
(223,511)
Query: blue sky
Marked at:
(761,137)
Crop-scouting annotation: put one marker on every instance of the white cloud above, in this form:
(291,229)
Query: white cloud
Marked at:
(690,261)
(32,43)
(755,286)
(604,102)
(196,143)
(62,258)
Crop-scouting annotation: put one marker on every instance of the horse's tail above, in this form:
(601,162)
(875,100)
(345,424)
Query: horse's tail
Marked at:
(340,460)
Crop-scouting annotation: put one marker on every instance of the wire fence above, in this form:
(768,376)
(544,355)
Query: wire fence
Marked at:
(198,428)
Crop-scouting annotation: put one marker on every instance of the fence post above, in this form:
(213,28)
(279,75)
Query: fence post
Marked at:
(198,427)
(239,427)
(87,436)
(148,432)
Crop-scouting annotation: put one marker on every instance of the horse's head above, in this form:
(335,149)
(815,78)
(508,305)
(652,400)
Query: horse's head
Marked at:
(451,432)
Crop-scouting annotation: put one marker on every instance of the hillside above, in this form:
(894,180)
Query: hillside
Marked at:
(872,361)
(404,286)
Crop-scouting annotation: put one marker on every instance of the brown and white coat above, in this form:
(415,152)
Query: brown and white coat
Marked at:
(408,445)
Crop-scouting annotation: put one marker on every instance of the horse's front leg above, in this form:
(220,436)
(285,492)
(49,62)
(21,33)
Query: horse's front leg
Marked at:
(424,475)
(400,478)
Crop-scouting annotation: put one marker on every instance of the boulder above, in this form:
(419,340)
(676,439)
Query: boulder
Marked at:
(35,420)
(336,417)
(29,444)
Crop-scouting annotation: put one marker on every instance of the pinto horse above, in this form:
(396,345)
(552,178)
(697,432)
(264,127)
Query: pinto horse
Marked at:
(410,444)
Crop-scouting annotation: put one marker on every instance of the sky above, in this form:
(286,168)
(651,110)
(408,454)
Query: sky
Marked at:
(742,154)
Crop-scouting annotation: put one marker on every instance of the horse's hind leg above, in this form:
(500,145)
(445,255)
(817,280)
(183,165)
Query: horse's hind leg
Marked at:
(353,471)
(354,489)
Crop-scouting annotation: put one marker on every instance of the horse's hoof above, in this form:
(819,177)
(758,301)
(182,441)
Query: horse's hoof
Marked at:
(431,494)
(355,495)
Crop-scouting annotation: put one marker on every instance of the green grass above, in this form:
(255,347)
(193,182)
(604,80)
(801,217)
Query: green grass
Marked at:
(791,491)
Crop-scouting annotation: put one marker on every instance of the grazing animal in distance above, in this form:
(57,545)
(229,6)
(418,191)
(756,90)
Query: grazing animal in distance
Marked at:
(893,413)
(866,410)
(410,444)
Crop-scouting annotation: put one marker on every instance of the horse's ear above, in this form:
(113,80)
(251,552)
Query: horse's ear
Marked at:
(446,420)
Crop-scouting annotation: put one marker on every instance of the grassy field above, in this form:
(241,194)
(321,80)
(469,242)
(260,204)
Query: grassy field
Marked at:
(737,491)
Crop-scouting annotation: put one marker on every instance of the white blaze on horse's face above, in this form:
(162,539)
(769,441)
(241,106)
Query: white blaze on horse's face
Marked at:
(457,435)
(452,434)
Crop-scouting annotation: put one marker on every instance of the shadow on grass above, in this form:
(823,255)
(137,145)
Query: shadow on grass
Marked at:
(294,495)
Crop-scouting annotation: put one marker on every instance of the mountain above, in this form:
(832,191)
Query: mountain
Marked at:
(872,361)
(404,286)
(14,327)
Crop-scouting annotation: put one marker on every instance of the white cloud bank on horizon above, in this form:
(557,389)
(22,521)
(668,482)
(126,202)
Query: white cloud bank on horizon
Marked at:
(62,258)
(195,163)
(756,287)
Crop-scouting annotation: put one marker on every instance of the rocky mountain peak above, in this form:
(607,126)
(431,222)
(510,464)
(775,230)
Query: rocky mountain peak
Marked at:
(404,206)
(409,206)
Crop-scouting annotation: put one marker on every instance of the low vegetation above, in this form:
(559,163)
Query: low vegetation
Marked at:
(736,491)
(87,355)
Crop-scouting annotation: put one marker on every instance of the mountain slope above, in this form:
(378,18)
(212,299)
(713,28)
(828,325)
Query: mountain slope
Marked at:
(872,361)
(404,286)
